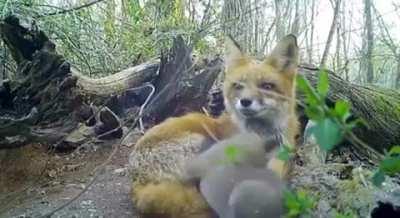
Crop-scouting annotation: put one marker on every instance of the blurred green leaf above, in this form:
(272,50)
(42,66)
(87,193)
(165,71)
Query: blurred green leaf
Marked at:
(315,113)
(395,150)
(348,214)
(309,92)
(323,83)
(390,165)
(352,124)
(327,133)
(285,152)
(303,84)
(378,178)
(232,152)
(342,109)
(298,203)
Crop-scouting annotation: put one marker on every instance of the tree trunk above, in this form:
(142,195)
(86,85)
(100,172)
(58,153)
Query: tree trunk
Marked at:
(296,21)
(397,85)
(280,28)
(369,41)
(331,33)
(345,44)
(310,49)
(338,64)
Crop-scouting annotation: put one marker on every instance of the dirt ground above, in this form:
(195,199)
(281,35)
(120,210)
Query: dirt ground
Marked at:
(34,181)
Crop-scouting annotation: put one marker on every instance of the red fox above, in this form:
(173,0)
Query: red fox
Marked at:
(259,98)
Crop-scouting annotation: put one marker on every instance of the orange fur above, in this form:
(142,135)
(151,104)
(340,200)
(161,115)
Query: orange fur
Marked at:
(174,199)
(177,127)
(151,198)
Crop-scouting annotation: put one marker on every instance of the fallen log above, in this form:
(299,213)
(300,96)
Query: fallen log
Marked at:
(181,87)
(63,97)
(378,107)
(118,82)
(46,85)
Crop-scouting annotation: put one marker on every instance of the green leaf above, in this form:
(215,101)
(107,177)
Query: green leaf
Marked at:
(342,109)
(311,97)
(232,152)
(390,165)
(315,113)
(394,151)
(327,133)
(285,153)
(378,178)
(292,204)
(303,84)
(298,203)
(348,214)
(323,83)
(350,125)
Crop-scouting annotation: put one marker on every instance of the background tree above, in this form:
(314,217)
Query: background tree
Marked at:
(368,42)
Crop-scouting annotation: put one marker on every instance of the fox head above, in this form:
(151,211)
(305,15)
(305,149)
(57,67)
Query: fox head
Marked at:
(261,92)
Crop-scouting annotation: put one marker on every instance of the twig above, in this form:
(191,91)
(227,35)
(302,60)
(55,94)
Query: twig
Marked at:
(100,168)
(70,9)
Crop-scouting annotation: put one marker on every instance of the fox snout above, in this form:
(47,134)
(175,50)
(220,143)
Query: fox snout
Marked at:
(251,106)
(245,102)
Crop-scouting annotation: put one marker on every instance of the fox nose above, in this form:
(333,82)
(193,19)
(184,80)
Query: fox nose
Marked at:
(245,102)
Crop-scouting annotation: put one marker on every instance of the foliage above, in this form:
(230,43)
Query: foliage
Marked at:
(298,203)
(231,153)
(348,214)
(111,35)
(331,123)
(390,166)
(285,152)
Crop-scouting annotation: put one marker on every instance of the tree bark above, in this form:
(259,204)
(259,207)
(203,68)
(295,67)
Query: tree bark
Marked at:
(369,41)
(331,33)
(310,49)
(296,21)
(397,85)
(279,27)
(377,107)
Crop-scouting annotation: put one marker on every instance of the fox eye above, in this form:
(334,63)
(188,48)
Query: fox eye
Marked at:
(237,86)
(266,86)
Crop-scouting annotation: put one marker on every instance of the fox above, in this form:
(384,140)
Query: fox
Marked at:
(259,96)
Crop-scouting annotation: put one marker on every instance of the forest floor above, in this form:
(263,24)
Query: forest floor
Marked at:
(33,182)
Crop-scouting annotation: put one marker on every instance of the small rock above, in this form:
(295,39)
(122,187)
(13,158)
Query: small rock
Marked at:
(120,171)
(72,167)
(75,138)
(92,210)
(87,203)
(52,173)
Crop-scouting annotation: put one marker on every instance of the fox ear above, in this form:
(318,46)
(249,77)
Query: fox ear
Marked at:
(285,55)
(233,53)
